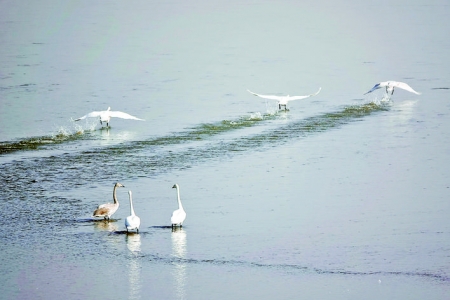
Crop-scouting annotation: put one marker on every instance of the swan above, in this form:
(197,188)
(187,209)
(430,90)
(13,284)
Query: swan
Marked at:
(283,100)
(106,115)
(108,209)
(179,215)
(132,221)
(390,85)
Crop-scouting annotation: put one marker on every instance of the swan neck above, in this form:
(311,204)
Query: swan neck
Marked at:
(131,207)
(114,195)
(179,200)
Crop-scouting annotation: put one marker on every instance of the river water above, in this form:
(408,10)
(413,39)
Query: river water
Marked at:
(344,196)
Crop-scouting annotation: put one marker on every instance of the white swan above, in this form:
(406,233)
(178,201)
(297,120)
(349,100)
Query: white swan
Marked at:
(179,215)
(283,100)
(390,85)
(132,221)
(108,209)
(106,115)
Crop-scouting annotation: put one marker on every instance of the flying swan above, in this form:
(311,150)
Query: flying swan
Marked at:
(390,85)
(283,100)
(132,222)
(106,115)
(108,209)
(179,215)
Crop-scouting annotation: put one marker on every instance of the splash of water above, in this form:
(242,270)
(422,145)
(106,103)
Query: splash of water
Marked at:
(256,117)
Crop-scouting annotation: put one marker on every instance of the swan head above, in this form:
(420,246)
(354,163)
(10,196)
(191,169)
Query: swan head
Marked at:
(175,186)
(118,184)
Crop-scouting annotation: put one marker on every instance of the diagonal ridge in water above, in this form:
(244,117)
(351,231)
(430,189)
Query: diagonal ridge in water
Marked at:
(64,135)
(159,155)
(200,132)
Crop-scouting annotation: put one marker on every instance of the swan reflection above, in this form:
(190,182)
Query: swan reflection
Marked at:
(133,242)
(106,225)
(179,255)
(104,131)
(134,267)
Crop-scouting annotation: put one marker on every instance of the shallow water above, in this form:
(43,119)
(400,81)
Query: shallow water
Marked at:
(344,196)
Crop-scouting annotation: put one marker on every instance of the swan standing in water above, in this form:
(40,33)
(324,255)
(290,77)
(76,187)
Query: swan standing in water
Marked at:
(132,221)
(179,215)
(106,115)
(390,85)
(283,100)
(108,209)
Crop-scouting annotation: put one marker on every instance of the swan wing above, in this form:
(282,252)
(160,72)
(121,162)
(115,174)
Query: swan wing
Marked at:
(271,97)
(106,209)
(303,97)
(405,87)
(101,211)
(376,87)
(90,115)
(122,115)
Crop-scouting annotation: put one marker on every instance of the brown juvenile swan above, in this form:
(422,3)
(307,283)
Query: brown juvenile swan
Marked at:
(108,209)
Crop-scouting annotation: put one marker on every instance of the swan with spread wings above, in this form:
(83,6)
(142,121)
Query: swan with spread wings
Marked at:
(283,100)
(106,115)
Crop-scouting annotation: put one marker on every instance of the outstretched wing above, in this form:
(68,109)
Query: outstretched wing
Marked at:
(406,87)
(302,97)
(271,97)
(90,115)
(122,115)
(375,87)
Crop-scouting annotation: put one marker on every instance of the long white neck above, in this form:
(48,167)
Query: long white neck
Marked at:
(131,206)
(179,200)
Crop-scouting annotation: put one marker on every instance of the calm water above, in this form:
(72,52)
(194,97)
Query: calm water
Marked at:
(342,197)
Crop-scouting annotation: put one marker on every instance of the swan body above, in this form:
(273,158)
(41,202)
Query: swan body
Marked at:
(132,222)
(106,115)
(108,209)
(179,215)
(283,100)
(390,85)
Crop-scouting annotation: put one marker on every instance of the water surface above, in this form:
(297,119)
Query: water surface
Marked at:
(344,196)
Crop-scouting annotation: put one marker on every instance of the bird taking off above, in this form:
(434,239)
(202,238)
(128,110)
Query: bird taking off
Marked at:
(283,100)
(390,85)
(106,115)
